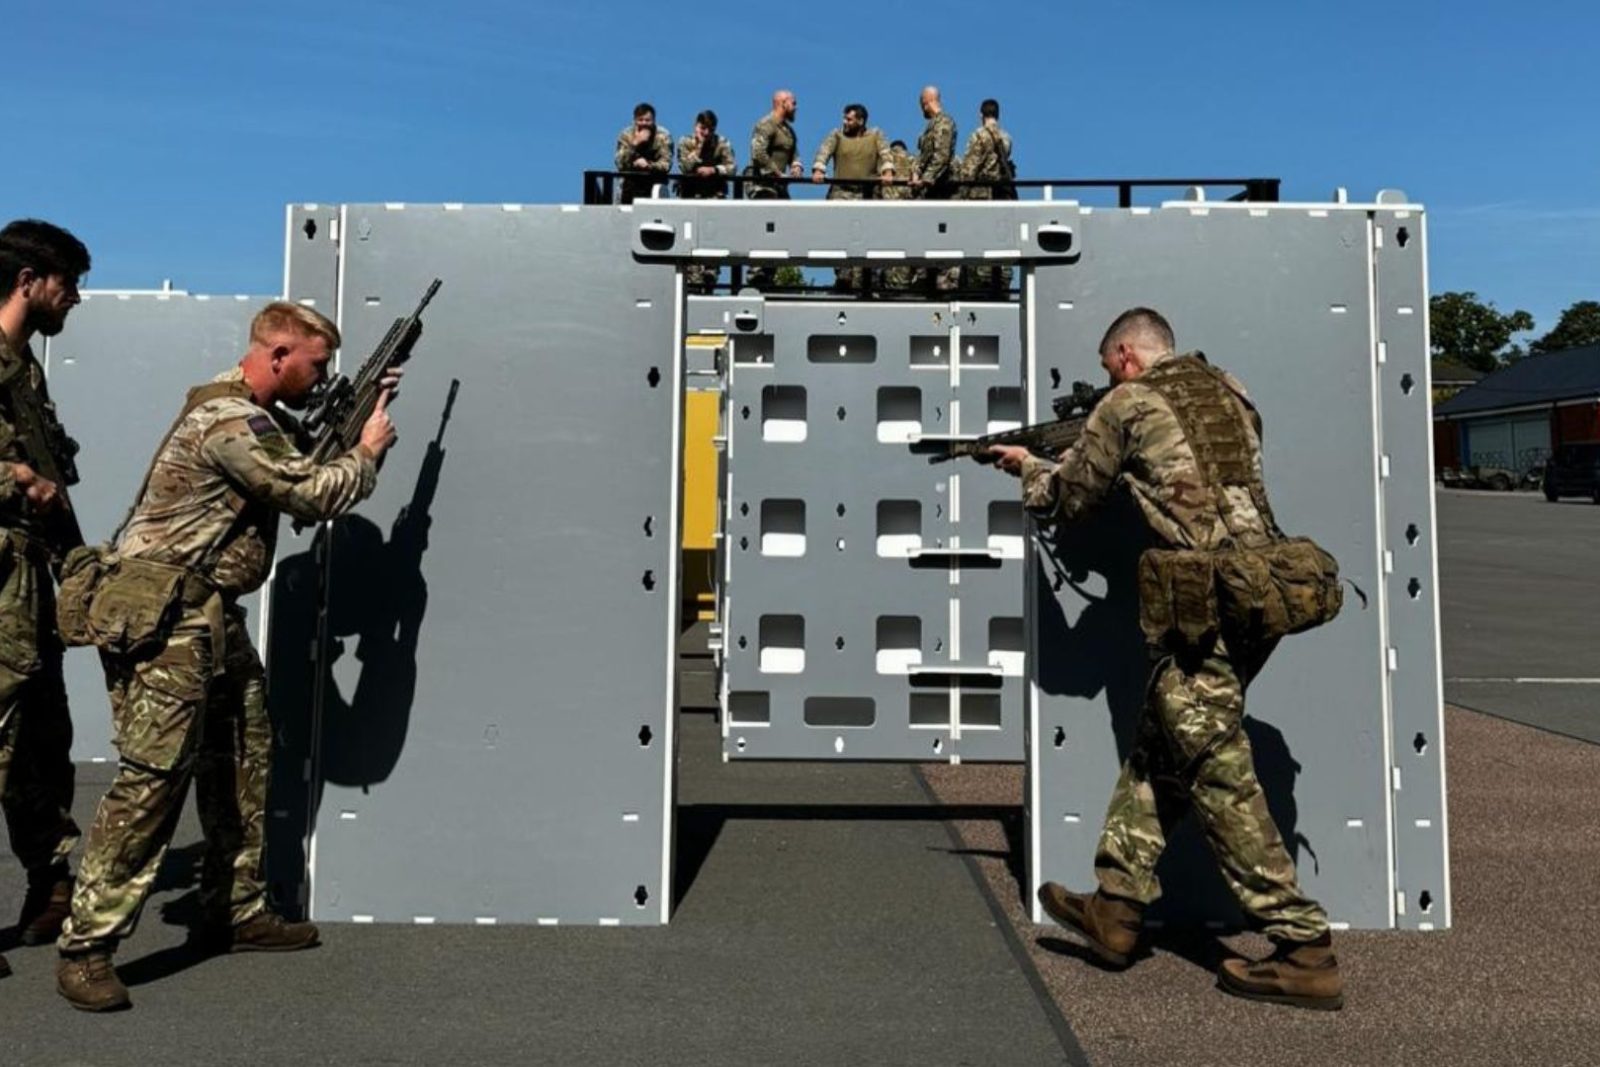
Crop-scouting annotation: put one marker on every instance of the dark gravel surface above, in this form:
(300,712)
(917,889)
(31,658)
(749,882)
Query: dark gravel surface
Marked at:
(1517,981)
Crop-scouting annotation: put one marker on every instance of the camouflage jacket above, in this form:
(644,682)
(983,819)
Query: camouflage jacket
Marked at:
(870,136)
(772,146)
(230,453)
(982,161)
(900,189)
(14,513)
(936,150)
(689,156)
(658,152)
(1134,436)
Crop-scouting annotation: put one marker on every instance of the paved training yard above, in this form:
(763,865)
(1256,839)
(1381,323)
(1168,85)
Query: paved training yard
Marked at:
(872,913)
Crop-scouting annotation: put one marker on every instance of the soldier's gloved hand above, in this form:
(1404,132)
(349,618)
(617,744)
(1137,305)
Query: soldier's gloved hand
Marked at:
(377,433)
(39,491)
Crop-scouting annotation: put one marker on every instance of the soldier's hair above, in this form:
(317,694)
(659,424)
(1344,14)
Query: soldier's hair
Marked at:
(641,110)
(859,109)
(44,248)
(1145,324)
(282,315)
(989,109)
(897,144)
(707,118)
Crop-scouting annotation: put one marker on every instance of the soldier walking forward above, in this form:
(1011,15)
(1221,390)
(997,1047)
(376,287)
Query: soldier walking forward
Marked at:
(1186,442)
(39,268)
(195,706)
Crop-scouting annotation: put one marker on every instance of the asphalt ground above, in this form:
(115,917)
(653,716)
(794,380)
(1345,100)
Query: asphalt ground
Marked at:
(825,916)
(1519,583)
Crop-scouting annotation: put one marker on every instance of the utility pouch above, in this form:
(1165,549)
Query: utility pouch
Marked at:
(1281,588)
(1177,599)
(123,606)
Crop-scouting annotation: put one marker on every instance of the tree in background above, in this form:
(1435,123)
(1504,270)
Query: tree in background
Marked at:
(788,276)
(1579,325)
(1471,332)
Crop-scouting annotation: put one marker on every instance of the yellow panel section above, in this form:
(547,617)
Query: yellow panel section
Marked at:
(700,469)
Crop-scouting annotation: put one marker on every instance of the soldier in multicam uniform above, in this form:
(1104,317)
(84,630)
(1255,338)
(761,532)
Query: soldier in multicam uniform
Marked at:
(987,159)
(860,154)
(899,189)
(935,174)
(772,154)
(196,707)
(40,265)
(704,160)
(1190,750)
(645,149)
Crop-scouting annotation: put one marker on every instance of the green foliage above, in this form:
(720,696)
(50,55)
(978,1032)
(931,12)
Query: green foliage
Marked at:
(788,276)
(1579,325)
(1471,332)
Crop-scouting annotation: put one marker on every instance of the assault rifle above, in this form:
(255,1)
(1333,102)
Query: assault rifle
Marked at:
(334,425)
(1047,439)
(49,451)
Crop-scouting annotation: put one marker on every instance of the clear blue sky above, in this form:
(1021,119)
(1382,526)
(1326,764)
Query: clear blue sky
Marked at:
(170,135)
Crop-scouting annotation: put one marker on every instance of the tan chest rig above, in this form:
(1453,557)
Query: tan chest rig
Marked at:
(1251,589)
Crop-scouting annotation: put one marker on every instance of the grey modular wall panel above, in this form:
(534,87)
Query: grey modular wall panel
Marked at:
(494,669)
(872,608)
(118,374)
(1284,297)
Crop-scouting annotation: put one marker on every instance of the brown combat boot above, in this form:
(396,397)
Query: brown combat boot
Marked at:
(1110,925)
(1302,974)
(46,906)
(90,983)
(270,932)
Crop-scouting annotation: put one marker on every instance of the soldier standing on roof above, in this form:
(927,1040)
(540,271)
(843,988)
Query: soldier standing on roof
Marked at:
(772,154)
(988,159)
(860,155)
(705,161)
(1186,442)
(935,172)
(644,149)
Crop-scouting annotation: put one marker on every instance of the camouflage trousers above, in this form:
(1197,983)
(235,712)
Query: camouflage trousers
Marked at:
(993,279)
(176,719)
(700,277)
(36,772)
(763,278)
(1191,752)
(849,279)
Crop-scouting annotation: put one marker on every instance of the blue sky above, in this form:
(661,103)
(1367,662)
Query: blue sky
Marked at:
(170,135)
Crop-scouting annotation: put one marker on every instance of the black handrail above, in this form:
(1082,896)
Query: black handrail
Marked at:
(600,186)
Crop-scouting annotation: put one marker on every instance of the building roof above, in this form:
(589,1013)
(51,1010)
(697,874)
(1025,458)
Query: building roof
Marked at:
(1571,374)
(1449,372)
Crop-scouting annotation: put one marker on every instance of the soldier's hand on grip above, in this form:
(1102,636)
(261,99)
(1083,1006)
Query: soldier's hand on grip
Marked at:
(39,491)
(377,433)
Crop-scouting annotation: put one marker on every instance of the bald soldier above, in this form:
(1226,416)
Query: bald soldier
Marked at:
(195,706)
(772,155)
(1186,442)
(935,174)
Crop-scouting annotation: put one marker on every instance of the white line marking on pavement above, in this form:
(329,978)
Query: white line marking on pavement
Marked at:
(1528,681)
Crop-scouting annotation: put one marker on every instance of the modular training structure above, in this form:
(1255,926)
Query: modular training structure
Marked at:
(487,647)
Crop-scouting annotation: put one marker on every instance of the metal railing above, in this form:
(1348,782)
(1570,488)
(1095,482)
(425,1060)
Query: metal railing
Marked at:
(602,186)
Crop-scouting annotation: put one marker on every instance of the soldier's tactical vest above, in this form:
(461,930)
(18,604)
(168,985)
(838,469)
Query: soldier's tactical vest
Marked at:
(129,606)
(857,157)
(1257,587)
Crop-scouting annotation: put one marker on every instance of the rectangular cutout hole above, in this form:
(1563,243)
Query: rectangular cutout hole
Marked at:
(1005,408)
(836,712)
(930,350)
(1007,644)
(750,708)
(782,643)
(783,413)
(753,350)
(841,348)
(980,351)
(930,711)
(899,413)
(1006,528)
(899,527)
(899,643)
(783,527)
(980,711)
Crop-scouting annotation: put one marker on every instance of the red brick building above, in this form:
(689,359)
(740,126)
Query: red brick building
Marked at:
(1516,416)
